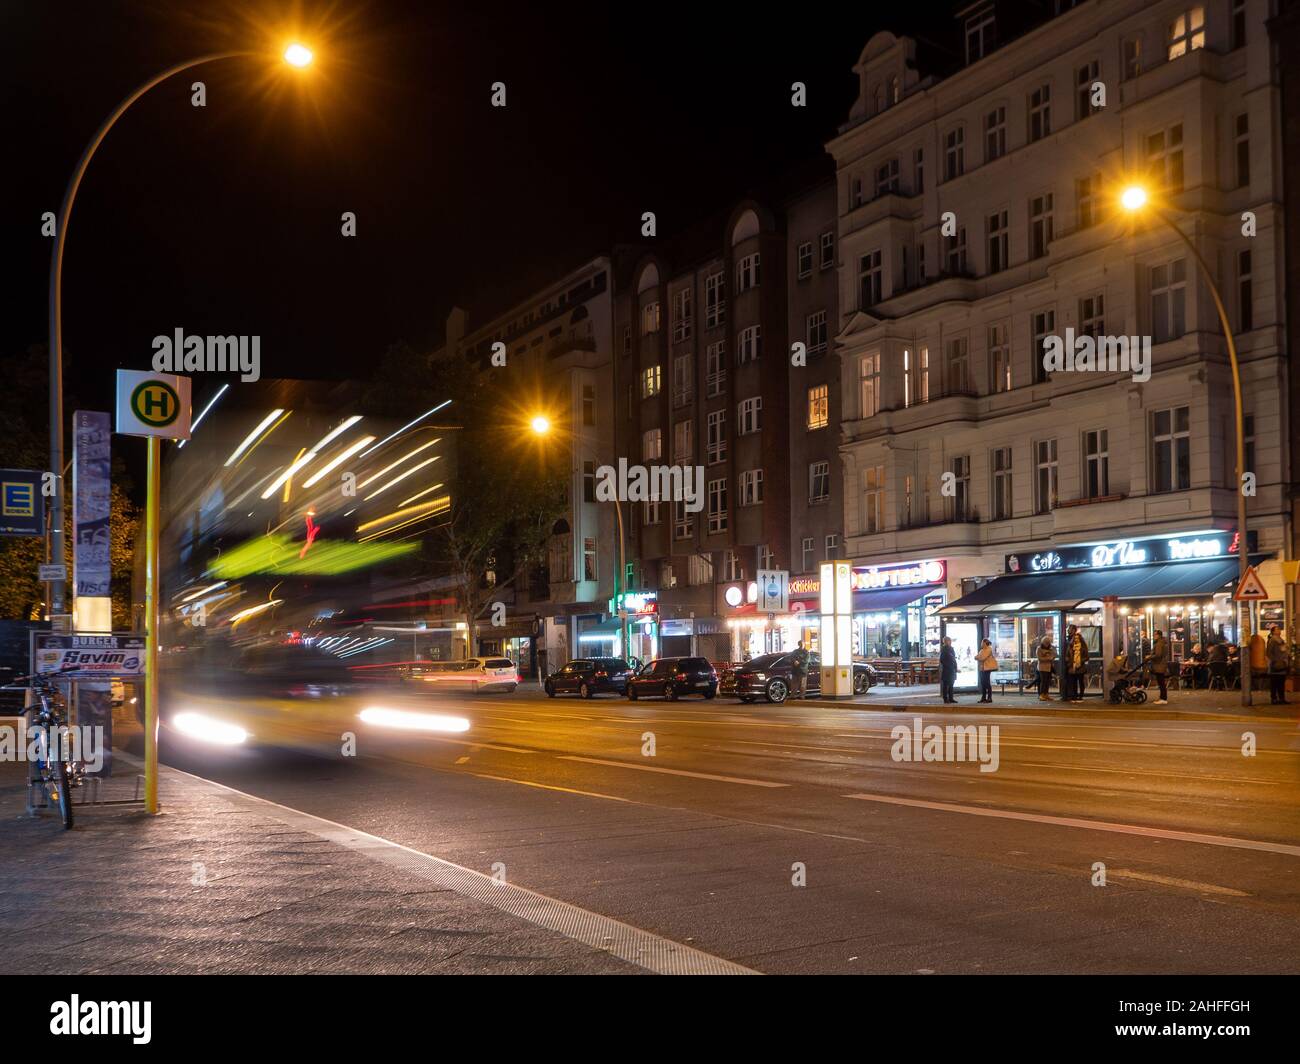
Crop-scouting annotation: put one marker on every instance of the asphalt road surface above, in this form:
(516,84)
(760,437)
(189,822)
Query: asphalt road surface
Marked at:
(921,866)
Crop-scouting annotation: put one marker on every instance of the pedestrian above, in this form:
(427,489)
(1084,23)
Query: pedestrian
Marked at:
(988,663)
(1046,663)
(798,669)
(1279,664)
(1258,659)
(1218,663)
(1076,665)
(1159,661)
(947,670)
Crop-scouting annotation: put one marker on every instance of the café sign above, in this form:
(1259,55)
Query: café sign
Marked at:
(1127,552)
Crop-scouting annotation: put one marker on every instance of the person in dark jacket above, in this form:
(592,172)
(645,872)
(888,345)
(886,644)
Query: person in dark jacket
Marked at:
(1046,664)
(1076,665)
(798,671)
(1159,662)
(947,670)
(1279,664)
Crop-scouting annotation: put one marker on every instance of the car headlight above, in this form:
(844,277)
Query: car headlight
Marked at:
(759,675)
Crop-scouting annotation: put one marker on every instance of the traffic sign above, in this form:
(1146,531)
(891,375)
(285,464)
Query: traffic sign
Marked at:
(57,571)
(1250,589)
(773,591)
(153,404)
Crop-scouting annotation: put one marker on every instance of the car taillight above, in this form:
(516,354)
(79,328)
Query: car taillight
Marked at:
(600,673)
(681,676)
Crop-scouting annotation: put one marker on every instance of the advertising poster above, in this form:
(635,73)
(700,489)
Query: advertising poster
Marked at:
(91,503)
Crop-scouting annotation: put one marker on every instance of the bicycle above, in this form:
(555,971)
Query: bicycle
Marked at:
(59,775)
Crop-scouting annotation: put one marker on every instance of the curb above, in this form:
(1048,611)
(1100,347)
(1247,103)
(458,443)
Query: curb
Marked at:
(1055,714)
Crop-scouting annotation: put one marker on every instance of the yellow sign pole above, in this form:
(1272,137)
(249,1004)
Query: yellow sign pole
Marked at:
(151,614)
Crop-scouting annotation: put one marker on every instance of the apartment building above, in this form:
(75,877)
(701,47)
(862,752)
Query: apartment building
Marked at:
(977,220)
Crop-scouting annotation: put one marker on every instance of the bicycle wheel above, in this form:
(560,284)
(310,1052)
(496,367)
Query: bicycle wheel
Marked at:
(62,793)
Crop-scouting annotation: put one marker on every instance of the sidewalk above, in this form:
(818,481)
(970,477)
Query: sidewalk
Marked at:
(222,884)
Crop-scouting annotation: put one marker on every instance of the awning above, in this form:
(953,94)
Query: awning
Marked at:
(890,597)
(1027,592)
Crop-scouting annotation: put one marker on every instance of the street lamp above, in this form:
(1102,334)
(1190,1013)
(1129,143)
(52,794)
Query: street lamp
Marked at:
(1133,199)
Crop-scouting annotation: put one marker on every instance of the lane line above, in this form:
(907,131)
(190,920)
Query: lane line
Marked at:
(550,787)
(1090,825)
(671,771)
(1169,881)
(642,948)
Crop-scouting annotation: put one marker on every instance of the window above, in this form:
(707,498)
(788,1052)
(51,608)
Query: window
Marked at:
(589,559)
(650,319)
(954,250)
(652,445)
(1092,315)
(869,385)
(731,567)
(804,259)
(954,154)
(749,415)
(1040,113)
(819,406)
(815,326)
(683,522)
(873,499)
(766,557)
(716,441)
(666,576)
(1238,37)
(918,171)
(1083,81)
(715,369)
(1041,229)
(717,505)
(651,516)
(683,442)
(748,273)
(1096,463)
(980,28)
(809,547)
(1088,201)
(682,314)
(627,339)
(916,376)
(589,404)
(750,345)
(958,366)
(856,198)
(887,177)
(920,262)
(715,300)
(1000,462)
(561,562)
(588,481)
(1168,300)
(832,545)
(683,379)
(960,470)
(1245,293)
(1045,483)
(701,570)
(1187,32)
(1131,57)
(819,482)
(1171,449)
(1043,324)
(1241,149)
(999,234)
(1248,438)
(651,381)
(995,134)
(751,487)
(1164,151)
(1000,356)
(870,280)
(828,251)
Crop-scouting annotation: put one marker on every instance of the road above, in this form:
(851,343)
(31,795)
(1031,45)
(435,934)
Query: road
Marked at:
(922,867)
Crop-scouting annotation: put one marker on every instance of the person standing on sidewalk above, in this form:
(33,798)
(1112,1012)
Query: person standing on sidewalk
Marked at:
(988,663)
(1076,665)
(1258,649)
(798,670)
(947,670)
(1046,664)
(1279,664)
(1159,662)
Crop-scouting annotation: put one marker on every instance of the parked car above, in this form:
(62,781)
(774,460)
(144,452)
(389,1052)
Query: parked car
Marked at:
(673,677)
(771,676)
(470,674)
(588,677)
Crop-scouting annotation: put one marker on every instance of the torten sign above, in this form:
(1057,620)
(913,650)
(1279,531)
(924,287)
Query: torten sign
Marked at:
(1182,548)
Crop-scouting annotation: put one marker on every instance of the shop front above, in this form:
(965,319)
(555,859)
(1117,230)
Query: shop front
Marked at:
(1118,594)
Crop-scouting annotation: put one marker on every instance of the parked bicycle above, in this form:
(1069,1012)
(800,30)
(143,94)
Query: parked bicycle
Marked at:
(54,771)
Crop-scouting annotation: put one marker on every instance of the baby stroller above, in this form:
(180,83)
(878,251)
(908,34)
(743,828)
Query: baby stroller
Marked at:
(1130,686)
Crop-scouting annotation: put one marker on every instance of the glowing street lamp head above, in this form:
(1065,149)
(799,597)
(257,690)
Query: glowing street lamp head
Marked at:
(298,55)
(540,424)
(1134,198)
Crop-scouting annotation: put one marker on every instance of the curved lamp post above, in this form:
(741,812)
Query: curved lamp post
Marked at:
(1134,199)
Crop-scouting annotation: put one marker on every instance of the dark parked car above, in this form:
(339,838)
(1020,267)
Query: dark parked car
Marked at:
(589,676)
(673,677)
(771,677)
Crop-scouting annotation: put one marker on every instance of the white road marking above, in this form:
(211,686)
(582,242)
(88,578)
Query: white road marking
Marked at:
(1090,825)
(1169,881)
(672,771)
(550,787)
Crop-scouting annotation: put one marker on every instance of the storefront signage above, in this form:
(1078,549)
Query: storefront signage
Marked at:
(875,577)
(1127,552)
(81,657)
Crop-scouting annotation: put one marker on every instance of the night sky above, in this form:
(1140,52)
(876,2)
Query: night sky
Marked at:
(226,219)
